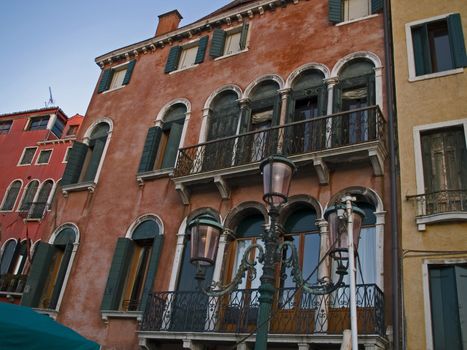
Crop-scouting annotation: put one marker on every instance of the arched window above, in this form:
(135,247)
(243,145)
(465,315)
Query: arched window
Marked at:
(162,142)
(355,91)
(11,195)
(28,196)
(49,270)
(12,266)
(42,200)
(223,121)
(307,101)
(84,159)
(262,112)
(133,269)
(8,254)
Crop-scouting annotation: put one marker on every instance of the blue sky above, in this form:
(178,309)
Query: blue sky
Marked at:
(54,42)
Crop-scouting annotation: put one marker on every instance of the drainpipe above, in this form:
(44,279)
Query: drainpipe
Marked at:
(394,173)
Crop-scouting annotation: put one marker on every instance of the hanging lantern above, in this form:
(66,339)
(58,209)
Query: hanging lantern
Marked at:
(277,174)
(338,234)
(204,233)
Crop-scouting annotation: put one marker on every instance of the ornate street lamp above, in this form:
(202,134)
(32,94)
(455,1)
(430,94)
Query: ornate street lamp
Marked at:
(204,231)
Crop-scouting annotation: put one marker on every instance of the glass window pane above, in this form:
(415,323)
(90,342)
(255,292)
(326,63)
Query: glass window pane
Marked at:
(232,43)
(311,257)
(187,58)
(117,78)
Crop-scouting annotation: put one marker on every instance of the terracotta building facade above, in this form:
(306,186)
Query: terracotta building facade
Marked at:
(176,129)
(430,60)
(35,146)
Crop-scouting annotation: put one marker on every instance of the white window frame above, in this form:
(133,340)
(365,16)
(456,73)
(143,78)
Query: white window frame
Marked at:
(4,122)
(426,293)
(419,177)
(188,45)
(67,152)
(237,29)
(6,194)
(23,194)
(28,123)
(22,155)
(44,150)
(346,5)
(410,54)
(119,67)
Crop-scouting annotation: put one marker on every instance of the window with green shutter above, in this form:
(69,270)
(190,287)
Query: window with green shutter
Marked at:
(116,77)
(133,268)
(162,143)
(186,56)
(49,270)
(438,45)
(229,42)
(448,289)
(349,10)
(85,159)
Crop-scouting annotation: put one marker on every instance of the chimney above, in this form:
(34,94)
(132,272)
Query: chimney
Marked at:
(168,22)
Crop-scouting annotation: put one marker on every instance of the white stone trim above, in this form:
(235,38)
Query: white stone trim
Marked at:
(25,190)
(426,293)
(140,219)
(177,261)
(308,66)
(357,20)
(410,53)
(232,87)
(50,157)
(274,77)
(22,155)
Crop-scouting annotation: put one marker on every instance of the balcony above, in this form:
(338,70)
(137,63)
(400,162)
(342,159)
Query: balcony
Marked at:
(325,142)
(295,313)
(447,205)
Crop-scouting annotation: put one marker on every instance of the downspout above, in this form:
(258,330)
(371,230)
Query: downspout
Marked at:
(393,173)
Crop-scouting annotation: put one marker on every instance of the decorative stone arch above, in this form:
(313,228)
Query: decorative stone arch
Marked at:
(90,129)
(375,199)
(5,243)
(66,225)
(167,106)
(216,92)
(257,81)
(142,218)
(299,200)
(378,67)
(241,211)
(51,193)
(5,195)
(25,190)
(309,66)
(178,256)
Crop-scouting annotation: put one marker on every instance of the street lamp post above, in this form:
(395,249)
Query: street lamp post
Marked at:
(345,221)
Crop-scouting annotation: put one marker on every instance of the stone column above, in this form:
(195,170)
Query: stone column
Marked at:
(282,118)
(330,82)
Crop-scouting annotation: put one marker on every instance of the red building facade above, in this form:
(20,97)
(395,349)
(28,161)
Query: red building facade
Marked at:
(34,147)
(176,129)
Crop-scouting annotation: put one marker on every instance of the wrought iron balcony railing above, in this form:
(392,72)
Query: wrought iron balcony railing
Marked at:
(294,312)
(11,283)
(308,136)
(441,202)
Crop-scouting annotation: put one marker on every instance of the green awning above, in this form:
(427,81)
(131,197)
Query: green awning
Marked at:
(23,328)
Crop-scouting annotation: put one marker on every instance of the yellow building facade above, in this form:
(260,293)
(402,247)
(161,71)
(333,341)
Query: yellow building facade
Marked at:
(431,92)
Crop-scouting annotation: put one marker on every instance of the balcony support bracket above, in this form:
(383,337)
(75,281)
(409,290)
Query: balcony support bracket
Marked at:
(190,344)
(321,170)
(222,186)
(183,192)
(377,161)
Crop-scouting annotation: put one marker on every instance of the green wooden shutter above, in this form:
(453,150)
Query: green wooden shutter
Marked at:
(172,59)
(152,269)
(244,36)
(290,118)
(421,50)
(96,156)
(104,84)
(456,39)
(75,163)
(61,276)
(376,6)
(335,11)
(444,309)
(337,99)
(171,149)
(202,45)
(217,43)
(322,100)
(151,145)
(38,274)
(117,274)
(276,110)
(129,72)
(461,284)
(427,162)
